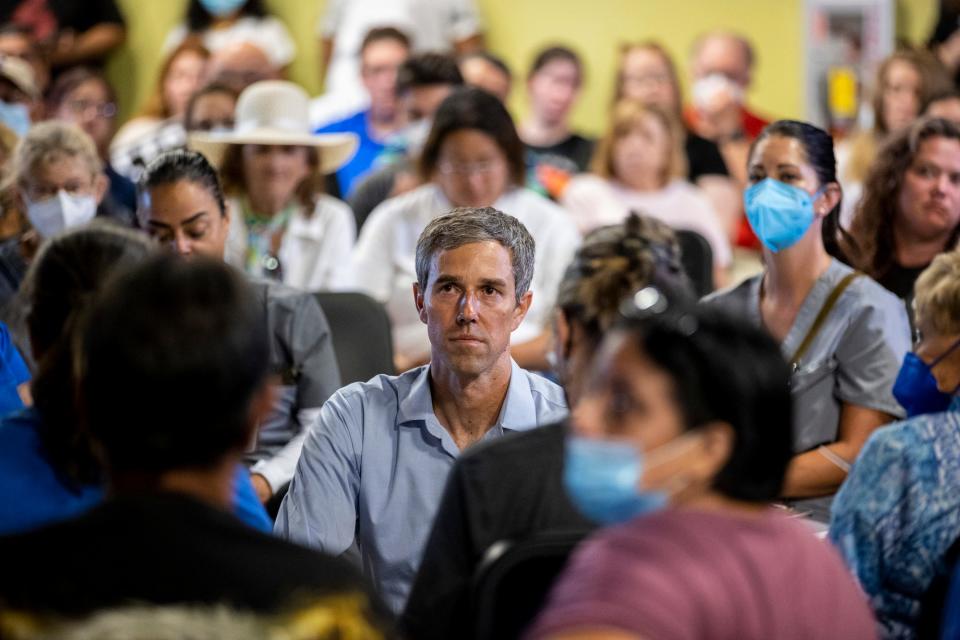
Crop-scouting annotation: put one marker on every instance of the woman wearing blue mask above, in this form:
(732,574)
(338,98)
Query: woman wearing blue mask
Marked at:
(899,511)
(843,334)
(219,23)
(672,442)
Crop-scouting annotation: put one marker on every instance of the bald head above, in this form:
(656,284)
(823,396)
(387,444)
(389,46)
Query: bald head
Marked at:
(724,53)
(239,65)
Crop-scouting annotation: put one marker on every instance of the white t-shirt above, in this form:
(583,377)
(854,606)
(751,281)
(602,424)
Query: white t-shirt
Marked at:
(315,250)
(268,33)
(431,25)
(595,202)
(383,260)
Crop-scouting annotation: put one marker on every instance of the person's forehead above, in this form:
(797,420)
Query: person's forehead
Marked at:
(487,259)
(59,167)
(385,49)
(177,202)
(777,149)
(722,51)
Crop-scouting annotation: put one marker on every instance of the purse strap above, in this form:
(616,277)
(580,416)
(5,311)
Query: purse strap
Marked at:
(825,310)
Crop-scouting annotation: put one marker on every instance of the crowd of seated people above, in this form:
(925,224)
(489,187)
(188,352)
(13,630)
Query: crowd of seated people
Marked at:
(685,371)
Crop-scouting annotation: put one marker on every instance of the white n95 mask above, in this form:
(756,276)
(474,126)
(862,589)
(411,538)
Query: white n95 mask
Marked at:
(60,212)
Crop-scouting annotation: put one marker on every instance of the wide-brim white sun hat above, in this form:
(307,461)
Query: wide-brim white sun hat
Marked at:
(276,112)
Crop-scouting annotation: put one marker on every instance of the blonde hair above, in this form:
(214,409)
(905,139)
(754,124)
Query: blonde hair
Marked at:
(49,142)
(627,116)
(936,294)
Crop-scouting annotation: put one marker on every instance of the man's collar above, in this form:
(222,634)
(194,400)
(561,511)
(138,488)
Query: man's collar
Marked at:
(517,413)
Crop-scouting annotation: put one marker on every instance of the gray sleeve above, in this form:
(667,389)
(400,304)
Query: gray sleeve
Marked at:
(870,354)
(312,354)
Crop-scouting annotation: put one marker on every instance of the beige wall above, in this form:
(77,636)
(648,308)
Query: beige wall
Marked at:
(517,28)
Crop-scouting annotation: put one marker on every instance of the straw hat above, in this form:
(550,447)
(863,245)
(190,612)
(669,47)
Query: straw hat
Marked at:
(275,112)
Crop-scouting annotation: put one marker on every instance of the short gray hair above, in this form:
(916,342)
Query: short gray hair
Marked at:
(466,225)
(49,141)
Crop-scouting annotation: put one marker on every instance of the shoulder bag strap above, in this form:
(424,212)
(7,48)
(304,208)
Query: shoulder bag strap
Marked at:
(825,310)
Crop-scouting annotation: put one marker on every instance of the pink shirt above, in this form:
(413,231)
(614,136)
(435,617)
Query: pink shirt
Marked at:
(683,574)
(596,202)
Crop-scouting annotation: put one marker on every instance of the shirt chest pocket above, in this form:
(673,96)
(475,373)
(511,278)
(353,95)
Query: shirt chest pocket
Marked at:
(816,411)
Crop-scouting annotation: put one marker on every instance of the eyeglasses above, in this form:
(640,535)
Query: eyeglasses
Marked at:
(105,110)
(483,167)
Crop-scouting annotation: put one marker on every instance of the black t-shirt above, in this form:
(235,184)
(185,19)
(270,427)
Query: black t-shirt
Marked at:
(900,280)
(507,489)
(703,158)
(549,169)
(74,15)
(164,549)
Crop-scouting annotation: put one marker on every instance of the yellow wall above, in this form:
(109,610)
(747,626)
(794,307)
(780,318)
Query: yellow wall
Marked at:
(517,28)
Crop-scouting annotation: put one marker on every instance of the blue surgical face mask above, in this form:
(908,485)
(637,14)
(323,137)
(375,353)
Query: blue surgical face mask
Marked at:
(779,213)
(602,479)
(916,388)
(222,8)
(16,117)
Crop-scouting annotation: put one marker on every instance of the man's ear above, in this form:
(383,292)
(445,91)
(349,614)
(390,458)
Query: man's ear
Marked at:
(100,185)
(520,312)
(418,301)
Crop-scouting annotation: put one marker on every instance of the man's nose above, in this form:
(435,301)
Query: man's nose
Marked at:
(468,308)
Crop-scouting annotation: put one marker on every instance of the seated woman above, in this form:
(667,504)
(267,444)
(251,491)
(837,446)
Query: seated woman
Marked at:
(673,443)
(473,157)
(284,227)
(639,166)
(899,511)
(60,181)
(83,96)
(182,206)
(906,81)
(48,469)
(910,210)
(158,126)
(219,23)
(844,334)
(647,74)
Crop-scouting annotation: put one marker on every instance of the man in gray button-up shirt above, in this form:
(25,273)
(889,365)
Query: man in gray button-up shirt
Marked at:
(374,466)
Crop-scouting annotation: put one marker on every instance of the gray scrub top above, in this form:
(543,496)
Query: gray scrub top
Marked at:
(854,358)
(302,354)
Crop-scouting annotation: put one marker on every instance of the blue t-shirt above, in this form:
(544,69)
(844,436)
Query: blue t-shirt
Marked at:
(33,494)
(368,150)
(13,373)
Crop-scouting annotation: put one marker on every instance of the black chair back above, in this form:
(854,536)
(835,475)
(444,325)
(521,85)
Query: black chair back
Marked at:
(360,329)
(697,258)
(512,583)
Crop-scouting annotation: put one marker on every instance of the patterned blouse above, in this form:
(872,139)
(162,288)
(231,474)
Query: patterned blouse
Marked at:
(899,512)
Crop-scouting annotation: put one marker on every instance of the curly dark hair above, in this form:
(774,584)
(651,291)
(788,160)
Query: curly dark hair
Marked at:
(614,262)
(873,245)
